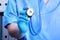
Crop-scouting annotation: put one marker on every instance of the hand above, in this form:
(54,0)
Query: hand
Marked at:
(23,21)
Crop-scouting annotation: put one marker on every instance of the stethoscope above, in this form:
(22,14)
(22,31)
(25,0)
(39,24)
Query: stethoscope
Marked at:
(30,13)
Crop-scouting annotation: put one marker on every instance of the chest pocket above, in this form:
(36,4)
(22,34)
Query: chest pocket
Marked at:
(51,6)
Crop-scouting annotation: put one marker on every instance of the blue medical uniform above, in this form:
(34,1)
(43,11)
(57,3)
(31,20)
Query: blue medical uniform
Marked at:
(49,14)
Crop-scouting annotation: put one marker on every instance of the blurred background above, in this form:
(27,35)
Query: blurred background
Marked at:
(3,32)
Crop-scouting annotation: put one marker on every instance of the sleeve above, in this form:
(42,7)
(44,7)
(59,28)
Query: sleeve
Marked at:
(10,14)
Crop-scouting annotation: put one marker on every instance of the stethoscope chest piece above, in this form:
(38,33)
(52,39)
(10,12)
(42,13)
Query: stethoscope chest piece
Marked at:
(32,23)
(30,11)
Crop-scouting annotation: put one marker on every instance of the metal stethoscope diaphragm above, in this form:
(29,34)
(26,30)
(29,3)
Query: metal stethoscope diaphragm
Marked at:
(30,12)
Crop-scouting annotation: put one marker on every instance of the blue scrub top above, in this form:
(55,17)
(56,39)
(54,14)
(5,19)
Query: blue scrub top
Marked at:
(50,17)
